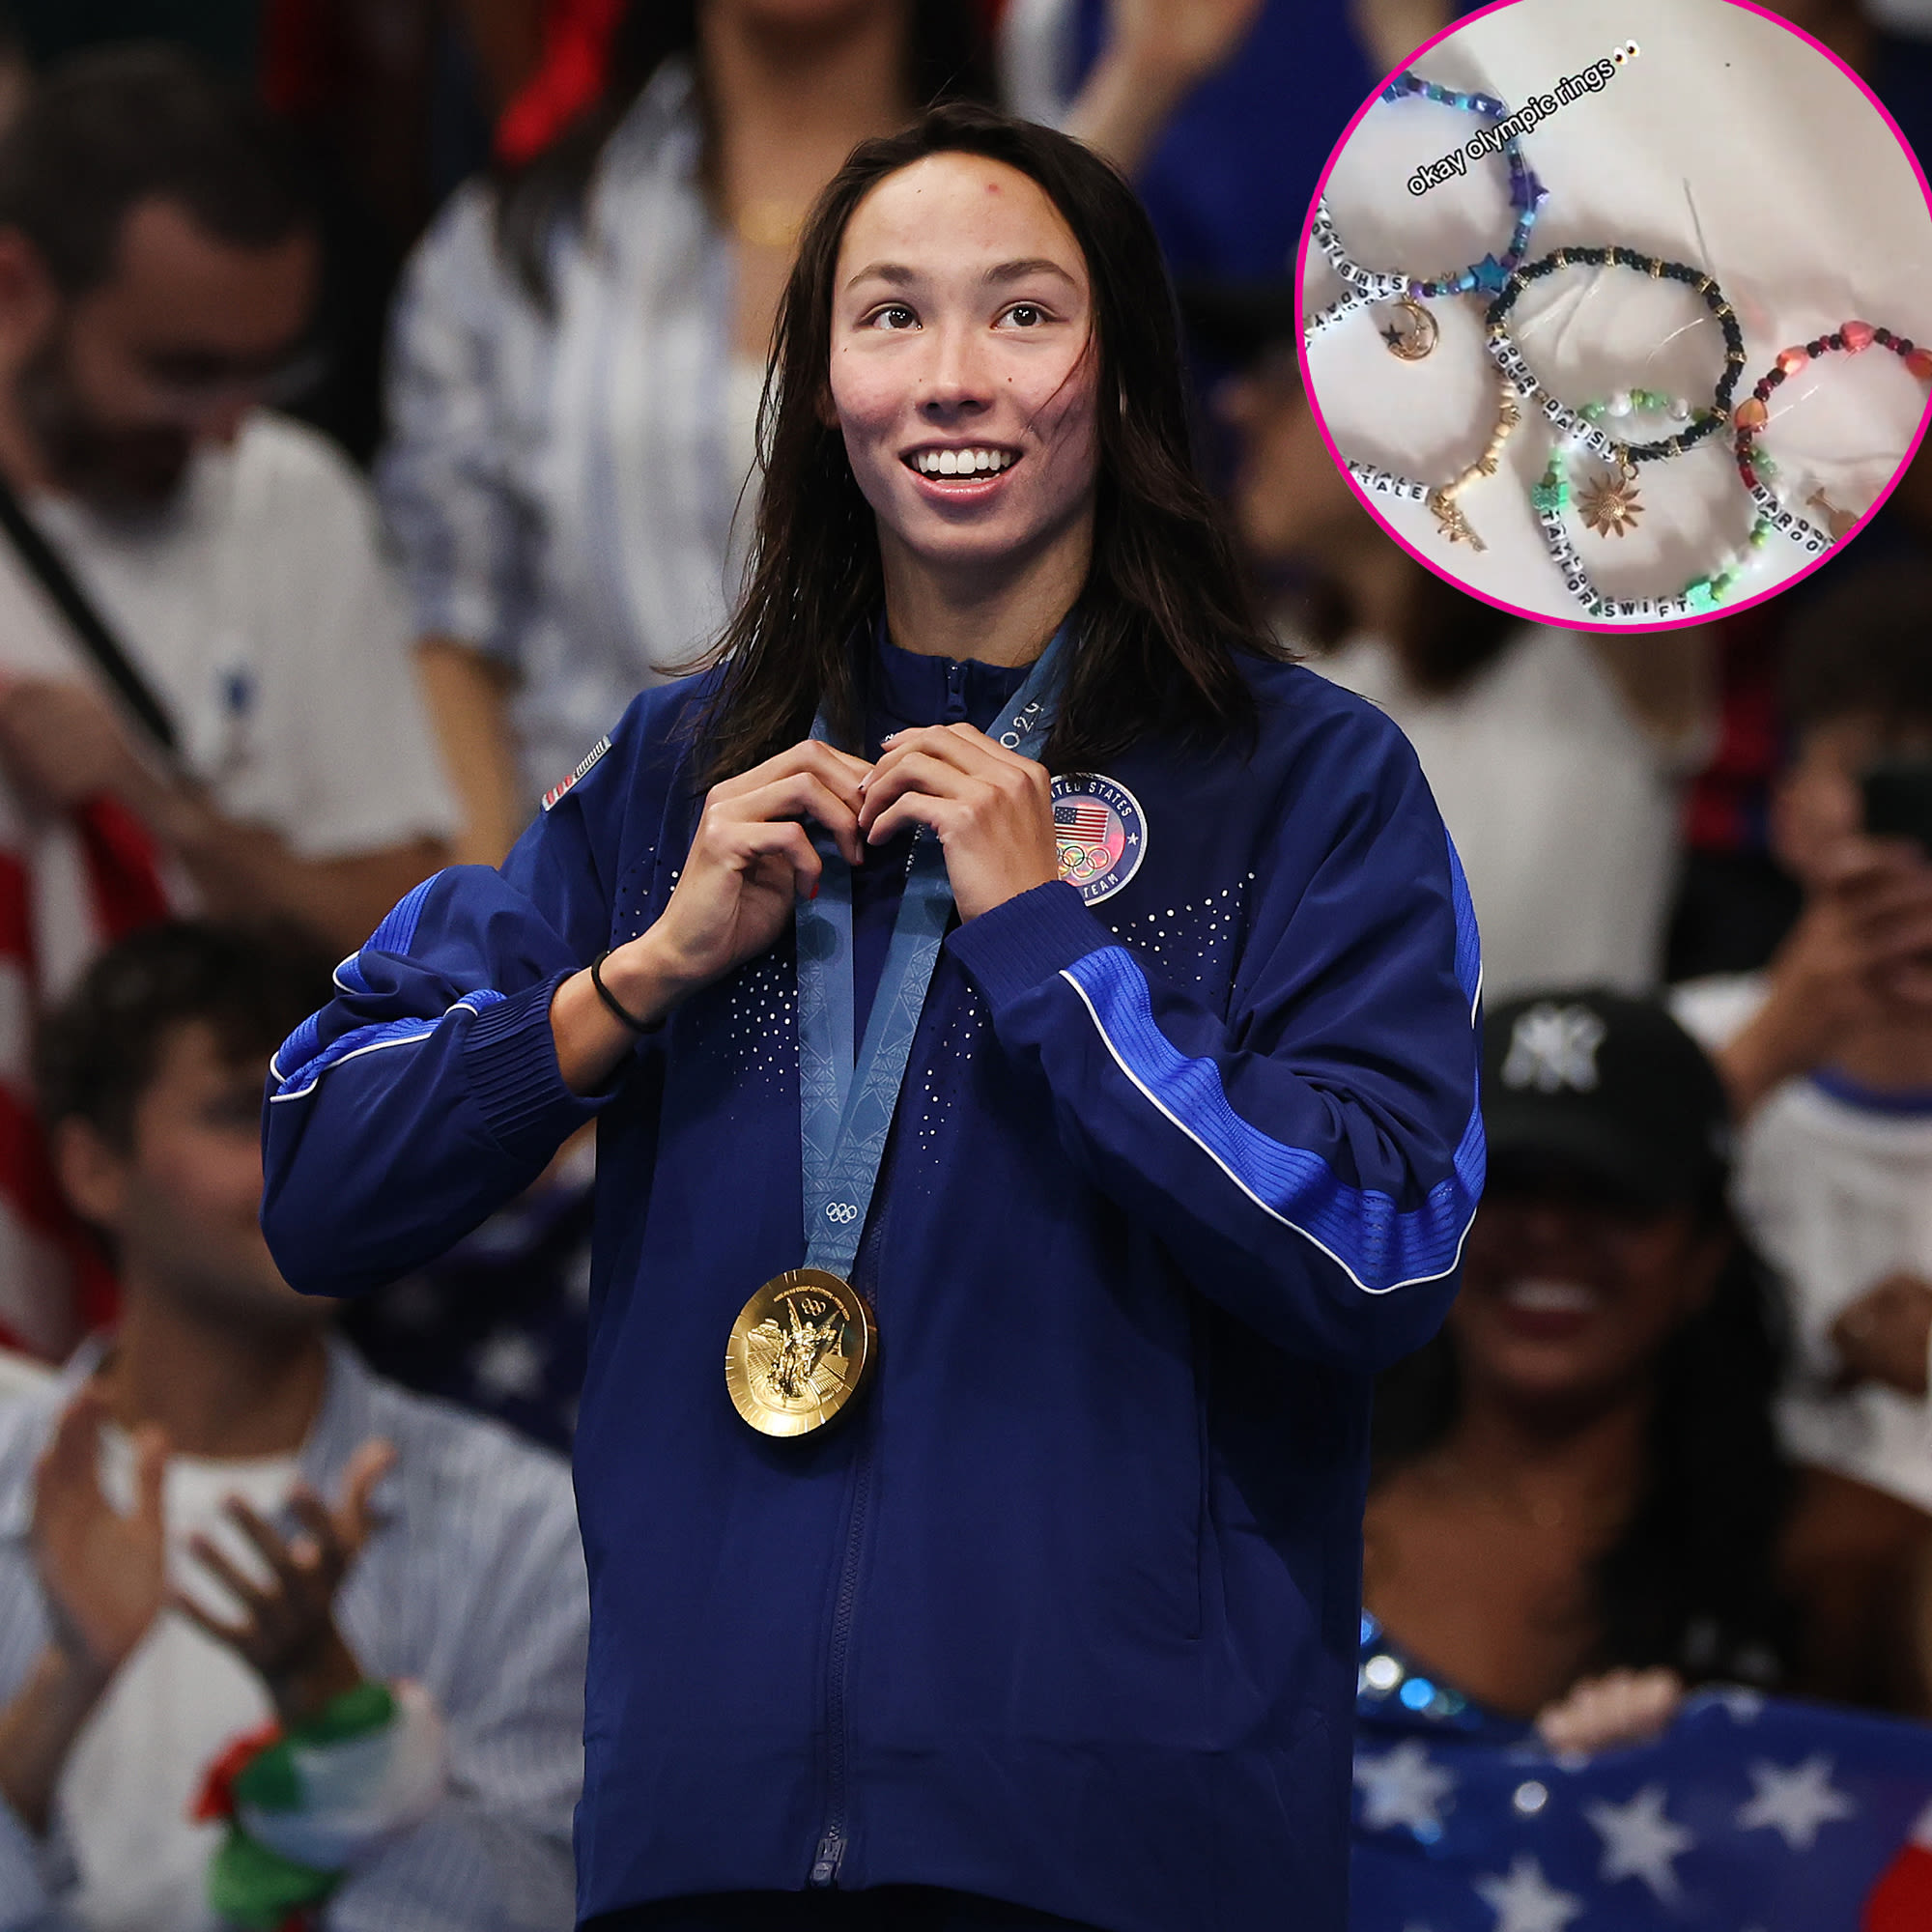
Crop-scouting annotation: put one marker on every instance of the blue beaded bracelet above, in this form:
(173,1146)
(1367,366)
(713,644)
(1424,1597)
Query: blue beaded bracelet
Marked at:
(1527,195)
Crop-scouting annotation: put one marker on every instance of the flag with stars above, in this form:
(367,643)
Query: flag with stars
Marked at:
(1749,1814)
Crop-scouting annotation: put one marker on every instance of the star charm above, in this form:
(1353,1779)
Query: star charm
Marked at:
(1403,1787)
(1794,1802)
(1490,275)
(1414,335)
(1525,1901)
(1639,1841)
(1611,505)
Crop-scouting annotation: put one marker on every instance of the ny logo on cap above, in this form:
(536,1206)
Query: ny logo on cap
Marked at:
(1552,1046)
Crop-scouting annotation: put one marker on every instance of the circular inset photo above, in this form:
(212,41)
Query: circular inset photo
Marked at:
(1613,314)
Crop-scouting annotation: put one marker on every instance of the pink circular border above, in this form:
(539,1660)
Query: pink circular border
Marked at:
(1436,569)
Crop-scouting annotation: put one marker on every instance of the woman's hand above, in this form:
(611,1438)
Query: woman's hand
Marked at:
(990,808)
(751,861)
(1622,1707)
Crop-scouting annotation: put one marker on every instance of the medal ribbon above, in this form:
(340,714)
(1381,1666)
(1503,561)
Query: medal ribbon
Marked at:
(847,1102)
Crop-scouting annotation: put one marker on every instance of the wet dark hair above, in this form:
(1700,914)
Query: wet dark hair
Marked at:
(946,58)
(108,128)
(1692,1583)
(1859,647)
(96,1053)
(1165,612)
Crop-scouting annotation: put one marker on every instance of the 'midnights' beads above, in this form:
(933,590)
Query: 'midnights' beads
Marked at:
(1441,501)
(1551,496)
(1850,338)
(1572,421)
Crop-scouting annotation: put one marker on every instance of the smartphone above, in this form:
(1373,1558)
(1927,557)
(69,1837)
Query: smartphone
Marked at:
(1899,801)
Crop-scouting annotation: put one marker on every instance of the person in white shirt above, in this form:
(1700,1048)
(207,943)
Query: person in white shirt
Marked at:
(219,1519)
(157,273)
(579,348)
(1828,1058)
(1557,757)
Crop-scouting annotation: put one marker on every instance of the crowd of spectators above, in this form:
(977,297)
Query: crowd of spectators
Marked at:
(261,671)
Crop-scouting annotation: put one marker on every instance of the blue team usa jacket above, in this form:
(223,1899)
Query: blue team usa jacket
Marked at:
(1066,1611)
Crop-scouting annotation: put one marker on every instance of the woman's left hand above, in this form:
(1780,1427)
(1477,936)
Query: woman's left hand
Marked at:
(1622,1707)
(990,808)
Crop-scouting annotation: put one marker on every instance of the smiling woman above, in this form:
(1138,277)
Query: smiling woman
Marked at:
(1032,1031)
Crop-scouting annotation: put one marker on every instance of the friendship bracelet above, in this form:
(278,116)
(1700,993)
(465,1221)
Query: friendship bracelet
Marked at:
(1441,501)
(610,1000)
(1365,289)
(1527,195)
(1510,359)
(1850,338)
(1612,507)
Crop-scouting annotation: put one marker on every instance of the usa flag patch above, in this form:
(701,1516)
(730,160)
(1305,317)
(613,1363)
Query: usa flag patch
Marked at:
(1102,832)
(556,791)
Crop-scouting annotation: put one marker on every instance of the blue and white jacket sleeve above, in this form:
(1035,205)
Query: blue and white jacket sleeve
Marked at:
(427,1092)
(1311,1158)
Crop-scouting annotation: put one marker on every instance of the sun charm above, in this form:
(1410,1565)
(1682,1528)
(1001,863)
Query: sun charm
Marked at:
(1611,505)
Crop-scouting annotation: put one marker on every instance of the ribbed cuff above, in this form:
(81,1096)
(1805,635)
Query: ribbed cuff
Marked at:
(1009,950)
(510,1056)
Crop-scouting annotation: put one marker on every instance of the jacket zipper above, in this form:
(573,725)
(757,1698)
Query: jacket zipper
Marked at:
(830,1854)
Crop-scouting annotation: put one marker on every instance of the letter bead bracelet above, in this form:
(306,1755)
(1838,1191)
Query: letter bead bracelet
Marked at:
(1754,468)
(1572,421)
(1527,195)
(1611,506)
(1441,501)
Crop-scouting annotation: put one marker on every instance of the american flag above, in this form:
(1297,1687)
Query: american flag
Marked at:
(1749,1814)
(1082,819)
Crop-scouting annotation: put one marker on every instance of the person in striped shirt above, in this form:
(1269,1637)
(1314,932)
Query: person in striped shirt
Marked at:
(226,1547)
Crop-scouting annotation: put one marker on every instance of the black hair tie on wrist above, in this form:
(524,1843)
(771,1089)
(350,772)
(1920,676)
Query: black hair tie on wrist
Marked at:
(610,1000)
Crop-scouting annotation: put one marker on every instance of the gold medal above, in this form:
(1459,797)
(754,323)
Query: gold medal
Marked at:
(799,1351)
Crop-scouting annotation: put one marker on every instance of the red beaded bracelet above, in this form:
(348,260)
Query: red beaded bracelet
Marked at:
(1755,413)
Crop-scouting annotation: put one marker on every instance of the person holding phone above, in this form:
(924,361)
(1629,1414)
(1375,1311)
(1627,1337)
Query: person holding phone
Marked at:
(1828,1058)
(1031,1028)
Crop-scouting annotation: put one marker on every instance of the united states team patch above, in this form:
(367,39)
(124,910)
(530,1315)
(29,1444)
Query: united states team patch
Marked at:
(1101,831)
(556,791)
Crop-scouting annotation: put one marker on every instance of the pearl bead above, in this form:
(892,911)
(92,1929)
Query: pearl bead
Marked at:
(1680,409)
(1620,403)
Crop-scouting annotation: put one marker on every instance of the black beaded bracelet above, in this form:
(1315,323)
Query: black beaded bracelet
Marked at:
(610,1000)
(1510,359)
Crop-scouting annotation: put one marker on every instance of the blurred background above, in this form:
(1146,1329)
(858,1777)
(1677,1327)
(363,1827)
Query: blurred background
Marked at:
(378,384)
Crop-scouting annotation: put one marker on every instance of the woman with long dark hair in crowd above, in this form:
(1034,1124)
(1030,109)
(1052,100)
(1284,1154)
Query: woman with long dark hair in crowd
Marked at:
(1050,1160)
(1580,1506)
(579,344)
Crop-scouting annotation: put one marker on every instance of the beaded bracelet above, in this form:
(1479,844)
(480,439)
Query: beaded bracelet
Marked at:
(1527,195)
(1510,359)
(1614,506)
(1850,338)
(1441,501)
